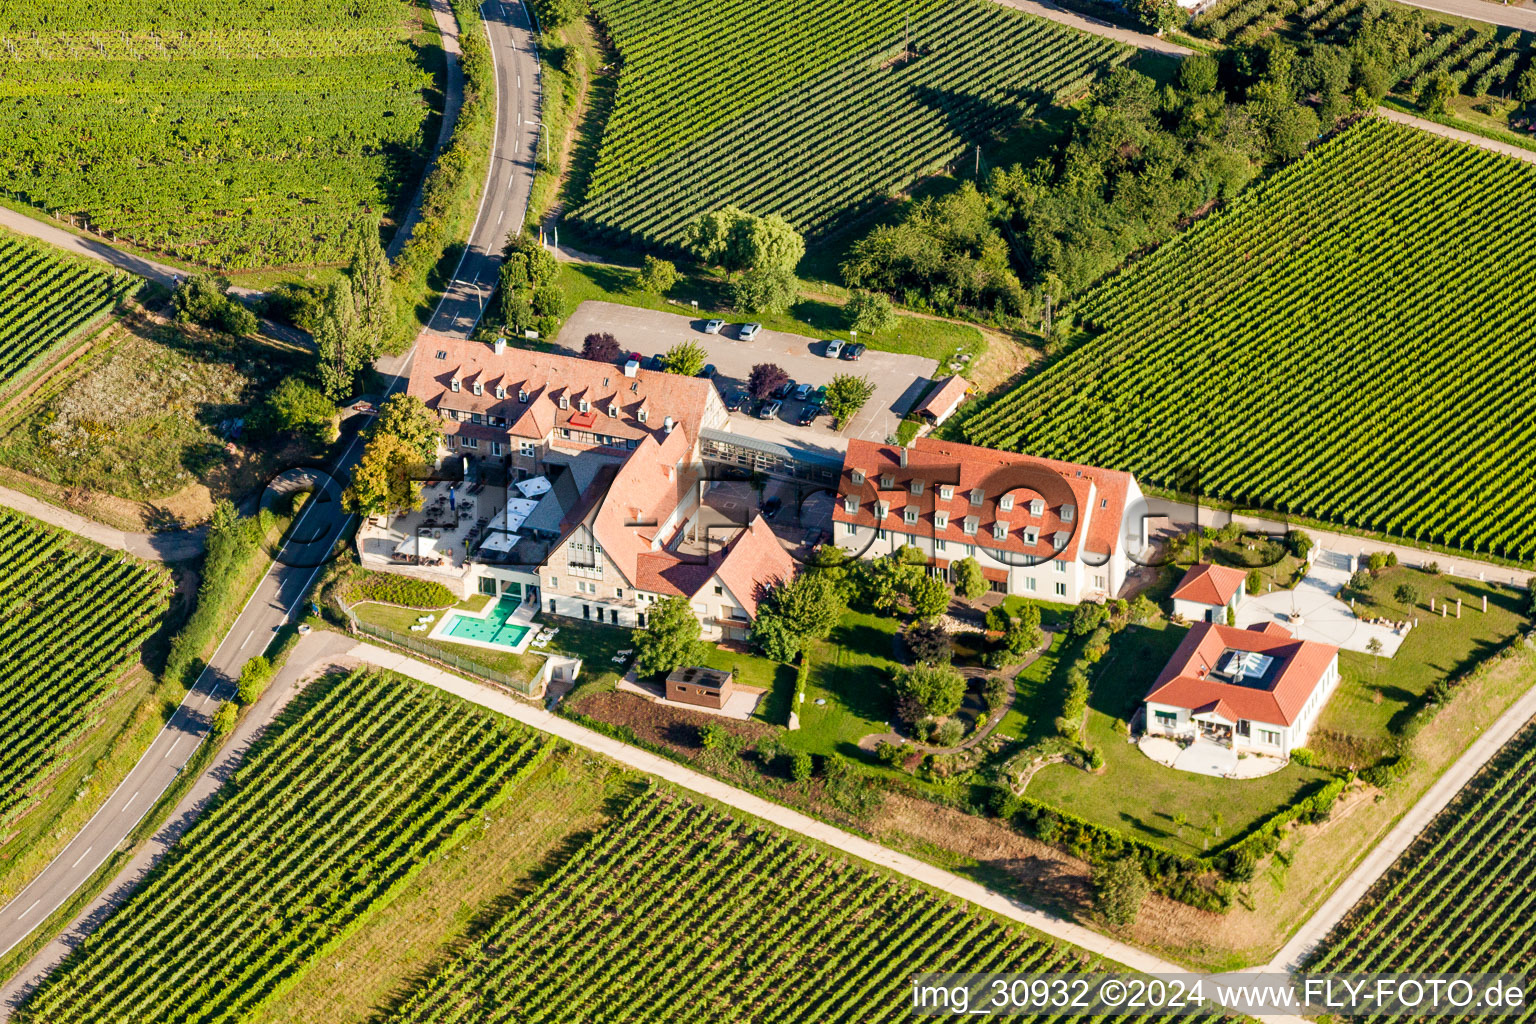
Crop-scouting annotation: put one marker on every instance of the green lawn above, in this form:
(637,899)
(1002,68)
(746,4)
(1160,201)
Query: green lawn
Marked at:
(851,671)
(815,318)
(1377,695)
(1135,794)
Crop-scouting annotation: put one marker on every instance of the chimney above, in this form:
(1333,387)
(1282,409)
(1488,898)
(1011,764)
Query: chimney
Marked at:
(499,346)
(903,456)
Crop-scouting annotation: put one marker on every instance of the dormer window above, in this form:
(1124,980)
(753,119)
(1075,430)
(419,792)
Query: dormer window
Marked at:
(642,415)
(887,480)
(584,405)
(565,402)
(857,476)
(978,496)
(850,504)
(1068,513)
(453,385)
(946,492)
(613,410)
(477,388)
(971,524)
(941,519)
(1000,531)
(501,391)
(916,487)
(1005,502)
(909,515)
(1036,507)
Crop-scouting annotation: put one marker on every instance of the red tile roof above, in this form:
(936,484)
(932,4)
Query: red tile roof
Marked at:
(1185,681)
(1099,495)
(1205,583)
(545,377)
(754,563)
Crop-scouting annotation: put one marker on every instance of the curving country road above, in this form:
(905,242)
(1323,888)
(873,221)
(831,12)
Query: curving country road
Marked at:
(502,210)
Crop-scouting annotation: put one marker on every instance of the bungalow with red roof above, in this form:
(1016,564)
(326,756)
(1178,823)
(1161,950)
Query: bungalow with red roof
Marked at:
(1056,531)
(1257,689)
(1208,592)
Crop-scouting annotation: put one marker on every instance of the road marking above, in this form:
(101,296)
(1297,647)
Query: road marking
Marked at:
(24,913)
(172,749)
(80,858)
(130,799)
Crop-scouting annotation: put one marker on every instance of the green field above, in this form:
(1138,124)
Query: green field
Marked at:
(360,783)
(1458,898)
(233,135)
(75,617)
(1344,342)
(809,111)
(45,296)
(676,912)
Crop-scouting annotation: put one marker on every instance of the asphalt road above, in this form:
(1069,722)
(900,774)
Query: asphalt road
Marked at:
(504,204)
(898,378)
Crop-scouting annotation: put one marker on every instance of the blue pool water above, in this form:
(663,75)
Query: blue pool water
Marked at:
(493,628)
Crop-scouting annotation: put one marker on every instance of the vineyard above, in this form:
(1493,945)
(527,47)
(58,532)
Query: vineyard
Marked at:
(44,297)
(1346,342)
(1480,59)
(810,111)
(343,801)
(227,134)
(676,912)
(74,617)
(1459,898)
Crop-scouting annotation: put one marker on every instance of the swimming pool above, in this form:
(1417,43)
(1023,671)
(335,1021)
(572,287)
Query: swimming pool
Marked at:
(491,628)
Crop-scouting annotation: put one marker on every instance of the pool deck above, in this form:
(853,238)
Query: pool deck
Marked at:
(523,616)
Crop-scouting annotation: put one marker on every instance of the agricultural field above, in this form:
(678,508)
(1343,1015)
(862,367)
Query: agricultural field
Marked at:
(810,111)
(1345,342)
(45,296)
(75,617)
(765,929)
(1458,898)
(226,134)
(363,780)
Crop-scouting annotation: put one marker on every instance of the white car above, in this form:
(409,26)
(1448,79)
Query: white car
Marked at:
(714,326)
(749,331)
(834,346)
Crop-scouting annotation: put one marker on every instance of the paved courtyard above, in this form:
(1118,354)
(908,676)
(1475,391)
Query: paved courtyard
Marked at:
(898,379)
(1313,611)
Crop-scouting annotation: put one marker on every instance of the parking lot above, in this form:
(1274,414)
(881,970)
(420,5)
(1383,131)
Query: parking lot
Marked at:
(898,379)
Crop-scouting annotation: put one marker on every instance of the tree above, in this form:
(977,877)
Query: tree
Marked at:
(869,312)
(369,275)
(657,276)
(765,379)
(601,347)
(408,418)
(686,358)
(338,341)
(937,689)
(928,595)
(1119,888)
(929,643)
(969,582)
(806,608)
(764,290)
(1436,92)
(1407,595)
(383,482)
(670,638)
(294,407)
(846,395)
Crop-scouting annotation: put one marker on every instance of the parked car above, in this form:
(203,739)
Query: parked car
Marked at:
(735,399)
(852,352)
(808,415)
(714,327)
(804,391)
(786,389)
(833,348)
(769,410)
(708,373)
(772,507)
(749,331)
